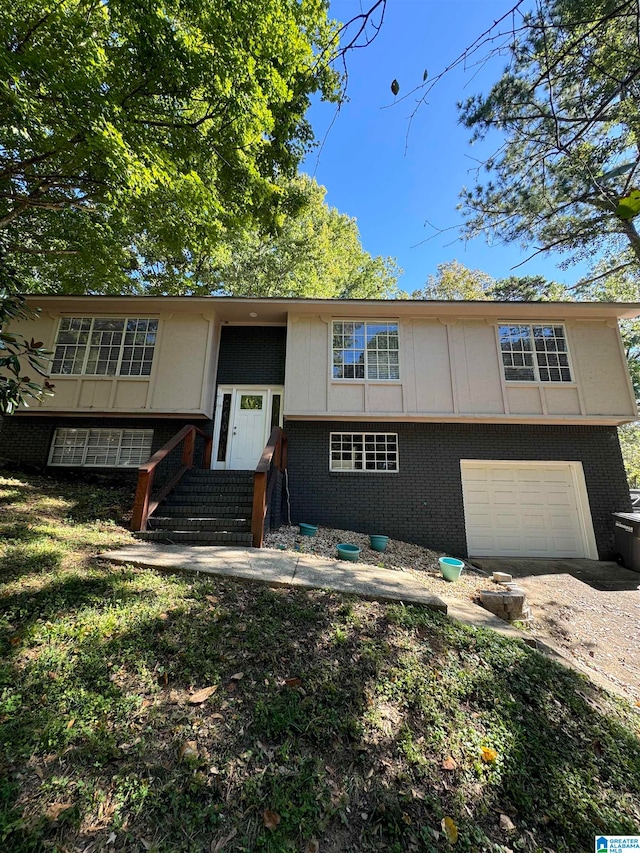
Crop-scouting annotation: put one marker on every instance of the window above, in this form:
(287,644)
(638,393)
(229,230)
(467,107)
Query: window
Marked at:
(535,353)
(98,448)
(365,451)
(105,346)
(365,350)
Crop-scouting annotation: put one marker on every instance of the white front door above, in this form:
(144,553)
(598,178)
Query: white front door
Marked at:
(248,428)
(526,509)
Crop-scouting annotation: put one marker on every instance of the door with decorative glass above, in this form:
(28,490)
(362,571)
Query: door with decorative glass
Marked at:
(248,429)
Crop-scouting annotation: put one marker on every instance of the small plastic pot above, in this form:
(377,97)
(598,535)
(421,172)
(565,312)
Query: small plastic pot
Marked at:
(308,529)
(451,568)
(378,542)
(348,552)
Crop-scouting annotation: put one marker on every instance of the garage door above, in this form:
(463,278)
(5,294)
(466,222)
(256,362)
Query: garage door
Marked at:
(526,509)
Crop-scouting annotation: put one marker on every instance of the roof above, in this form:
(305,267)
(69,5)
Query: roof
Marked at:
(247,310)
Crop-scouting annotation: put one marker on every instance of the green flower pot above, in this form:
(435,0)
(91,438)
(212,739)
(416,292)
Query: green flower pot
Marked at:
(378,542)
(451,568)
(348,552)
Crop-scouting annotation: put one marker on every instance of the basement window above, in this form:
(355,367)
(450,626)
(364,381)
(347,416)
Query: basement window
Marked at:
(363,451)
(101,448)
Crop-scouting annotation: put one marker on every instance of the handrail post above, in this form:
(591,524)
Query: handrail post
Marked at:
(141,501)
(259,507)
(187,448)
(207,452)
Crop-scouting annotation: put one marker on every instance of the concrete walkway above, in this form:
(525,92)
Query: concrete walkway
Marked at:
(281,569)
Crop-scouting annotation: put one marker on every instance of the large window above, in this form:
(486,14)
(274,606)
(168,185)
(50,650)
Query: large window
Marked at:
(100,448)
(535,353)
(365,350)
(108,346)
(363,451)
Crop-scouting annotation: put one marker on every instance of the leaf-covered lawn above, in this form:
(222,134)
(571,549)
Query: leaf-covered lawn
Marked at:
(317,722)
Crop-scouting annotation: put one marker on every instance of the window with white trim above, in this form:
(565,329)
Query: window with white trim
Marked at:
(101,448)
(105,346)
(365,350)
(363,451)
(535,353)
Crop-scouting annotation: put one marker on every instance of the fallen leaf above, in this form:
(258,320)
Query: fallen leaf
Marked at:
(39,772)
(449,763)
(488,755)
(450,829)
(293,682)
(189,749)
(202,695)
(54,811)
(216,717)
(270,819)
(312,846)
(146,843)
(112,838)
(237,676)
(506,824)
(70,723)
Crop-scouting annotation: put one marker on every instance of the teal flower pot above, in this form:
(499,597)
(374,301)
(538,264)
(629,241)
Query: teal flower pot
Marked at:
(378,542)
(451,568)
(348,552)
(308,529)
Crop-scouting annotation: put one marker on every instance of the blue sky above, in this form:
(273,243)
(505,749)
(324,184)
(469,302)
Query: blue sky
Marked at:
(393,184)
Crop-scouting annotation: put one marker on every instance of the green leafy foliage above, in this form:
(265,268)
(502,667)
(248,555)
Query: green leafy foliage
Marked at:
(17,388)
(455,281)
(125,124)
(315,252)
(569,111)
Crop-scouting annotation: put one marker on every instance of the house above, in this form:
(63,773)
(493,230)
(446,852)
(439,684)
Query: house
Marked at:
(481,428)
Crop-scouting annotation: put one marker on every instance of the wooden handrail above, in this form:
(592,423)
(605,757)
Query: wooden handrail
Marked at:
(274,457)
(143,506)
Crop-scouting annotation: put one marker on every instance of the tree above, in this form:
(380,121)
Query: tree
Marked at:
(314,253)
(128,121)
(568,106)
(16,388)
(455,281)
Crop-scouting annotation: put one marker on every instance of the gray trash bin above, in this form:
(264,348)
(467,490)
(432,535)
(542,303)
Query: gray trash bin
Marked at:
(627,527)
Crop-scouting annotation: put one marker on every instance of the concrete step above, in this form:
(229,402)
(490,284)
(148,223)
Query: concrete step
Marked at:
(196,537)
(236,525)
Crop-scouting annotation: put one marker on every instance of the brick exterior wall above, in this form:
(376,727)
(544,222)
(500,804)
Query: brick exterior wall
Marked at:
(27,440)
(422,503)
(252,355)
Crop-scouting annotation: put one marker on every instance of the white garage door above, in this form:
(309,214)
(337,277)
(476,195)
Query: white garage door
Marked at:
(526,509)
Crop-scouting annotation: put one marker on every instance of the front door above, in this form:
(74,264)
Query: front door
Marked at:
(248,428)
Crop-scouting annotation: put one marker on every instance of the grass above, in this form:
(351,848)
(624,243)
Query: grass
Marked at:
(335,724)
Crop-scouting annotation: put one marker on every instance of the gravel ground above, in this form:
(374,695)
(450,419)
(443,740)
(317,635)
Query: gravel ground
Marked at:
(400,556)
(599,630)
